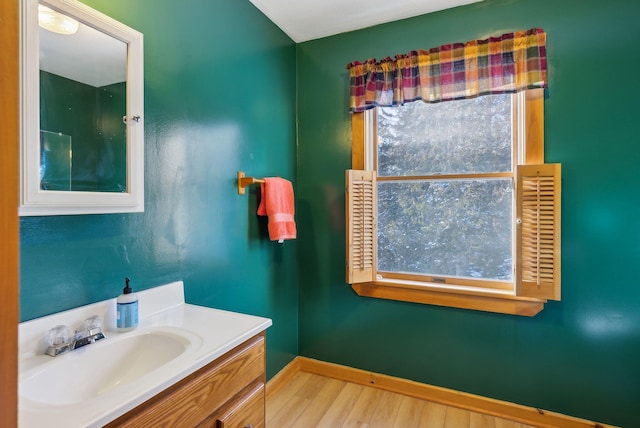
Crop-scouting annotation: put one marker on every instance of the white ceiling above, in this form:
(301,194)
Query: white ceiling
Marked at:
(305,20)
(88,56)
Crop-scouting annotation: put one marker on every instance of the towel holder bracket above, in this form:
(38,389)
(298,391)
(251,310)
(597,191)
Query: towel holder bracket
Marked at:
(244,181)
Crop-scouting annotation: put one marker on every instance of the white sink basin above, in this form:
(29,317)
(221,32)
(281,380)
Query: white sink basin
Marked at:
(104,366)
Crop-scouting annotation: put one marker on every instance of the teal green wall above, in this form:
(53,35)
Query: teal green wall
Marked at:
(580,356)
(219,97)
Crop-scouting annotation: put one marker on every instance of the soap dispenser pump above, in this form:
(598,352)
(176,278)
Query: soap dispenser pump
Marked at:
(127,309)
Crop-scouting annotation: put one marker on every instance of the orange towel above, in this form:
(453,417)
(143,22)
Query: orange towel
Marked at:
(277,202)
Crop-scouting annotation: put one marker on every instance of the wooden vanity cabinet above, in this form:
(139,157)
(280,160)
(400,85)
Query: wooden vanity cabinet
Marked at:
(227,393)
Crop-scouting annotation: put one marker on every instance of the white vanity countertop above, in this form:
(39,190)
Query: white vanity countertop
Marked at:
(210,332)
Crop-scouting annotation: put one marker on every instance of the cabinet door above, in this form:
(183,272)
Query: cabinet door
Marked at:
(247,412)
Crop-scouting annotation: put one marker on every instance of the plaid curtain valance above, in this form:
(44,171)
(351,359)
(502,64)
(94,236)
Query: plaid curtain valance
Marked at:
(505,64)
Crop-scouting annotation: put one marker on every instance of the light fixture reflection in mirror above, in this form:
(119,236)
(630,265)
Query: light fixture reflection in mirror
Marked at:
(56,22)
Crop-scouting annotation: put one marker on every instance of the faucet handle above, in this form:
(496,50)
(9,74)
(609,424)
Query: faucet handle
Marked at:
(58,335)
(58,338)
(91,332)
(92,323)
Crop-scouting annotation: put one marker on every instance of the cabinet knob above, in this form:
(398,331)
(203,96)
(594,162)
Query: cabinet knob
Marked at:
(248,426)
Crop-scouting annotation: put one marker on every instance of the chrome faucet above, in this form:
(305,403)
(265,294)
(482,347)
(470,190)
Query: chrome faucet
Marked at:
(59,341)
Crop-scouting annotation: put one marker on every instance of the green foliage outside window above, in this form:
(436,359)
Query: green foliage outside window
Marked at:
(452,226)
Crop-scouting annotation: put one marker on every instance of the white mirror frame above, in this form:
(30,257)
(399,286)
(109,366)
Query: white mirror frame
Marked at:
(33,200)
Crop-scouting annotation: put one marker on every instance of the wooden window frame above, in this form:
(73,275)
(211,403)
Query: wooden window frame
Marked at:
(461,296)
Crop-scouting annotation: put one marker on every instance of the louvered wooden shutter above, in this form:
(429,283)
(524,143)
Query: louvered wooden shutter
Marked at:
(538,231)
(361,226)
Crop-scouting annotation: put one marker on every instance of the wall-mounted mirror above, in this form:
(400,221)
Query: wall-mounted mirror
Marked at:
(82,111)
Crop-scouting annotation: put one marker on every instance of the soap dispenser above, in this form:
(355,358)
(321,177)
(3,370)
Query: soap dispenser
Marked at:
(127,309)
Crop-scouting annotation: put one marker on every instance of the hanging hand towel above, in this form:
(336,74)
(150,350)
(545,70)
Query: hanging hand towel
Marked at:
(277,202)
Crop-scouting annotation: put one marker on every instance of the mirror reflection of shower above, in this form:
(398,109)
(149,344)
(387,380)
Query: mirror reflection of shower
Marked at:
(56,161)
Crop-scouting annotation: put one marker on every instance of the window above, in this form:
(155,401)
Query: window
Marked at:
(445,191)
(444,185)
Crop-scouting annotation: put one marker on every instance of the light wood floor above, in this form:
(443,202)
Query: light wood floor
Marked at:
(310,401)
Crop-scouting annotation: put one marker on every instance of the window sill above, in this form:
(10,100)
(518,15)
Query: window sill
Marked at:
(464,298)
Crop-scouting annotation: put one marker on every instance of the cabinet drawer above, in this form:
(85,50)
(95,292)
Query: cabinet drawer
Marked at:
(247,412)
(190,401)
